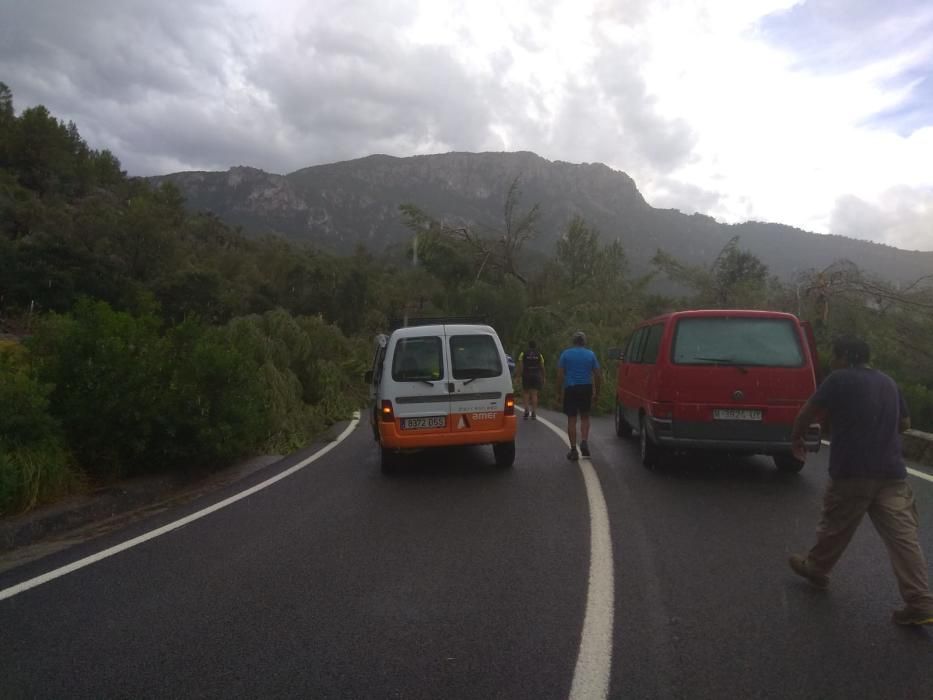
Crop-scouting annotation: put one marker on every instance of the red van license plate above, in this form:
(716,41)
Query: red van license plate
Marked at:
(424,423)
(736,414)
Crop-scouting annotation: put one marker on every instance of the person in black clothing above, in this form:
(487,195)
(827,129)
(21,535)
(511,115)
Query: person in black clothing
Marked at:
(531,370)
(867,475)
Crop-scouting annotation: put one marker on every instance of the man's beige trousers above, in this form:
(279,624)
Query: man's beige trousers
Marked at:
(890,505)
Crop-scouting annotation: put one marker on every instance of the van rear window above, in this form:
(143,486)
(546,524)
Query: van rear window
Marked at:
(474,356)
(418,359)
(765,342)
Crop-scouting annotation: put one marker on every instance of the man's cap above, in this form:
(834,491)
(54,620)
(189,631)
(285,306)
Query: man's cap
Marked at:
(579,338)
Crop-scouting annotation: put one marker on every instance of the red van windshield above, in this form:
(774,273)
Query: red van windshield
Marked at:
(765,342)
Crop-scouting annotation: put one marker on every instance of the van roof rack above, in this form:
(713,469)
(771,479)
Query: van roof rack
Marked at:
(436,320)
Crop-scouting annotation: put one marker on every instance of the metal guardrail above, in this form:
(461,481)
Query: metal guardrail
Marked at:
(918,446)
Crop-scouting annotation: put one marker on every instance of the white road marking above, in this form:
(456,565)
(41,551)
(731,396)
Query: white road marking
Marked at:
(911,471)
(152,534)
(922,475)
(594,660)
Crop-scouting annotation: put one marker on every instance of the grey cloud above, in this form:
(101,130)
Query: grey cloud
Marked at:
(135,76)
(664,143)
(903,218)
(115,50)
(625,12)
(178,85)
(373,93)
(194,85)
(673,194)
(615,119)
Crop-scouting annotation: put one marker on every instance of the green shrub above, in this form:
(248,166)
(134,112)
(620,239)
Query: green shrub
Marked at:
(214,407)
(134,397)
(34,464)
(309,373)
(919,400)
(109,373)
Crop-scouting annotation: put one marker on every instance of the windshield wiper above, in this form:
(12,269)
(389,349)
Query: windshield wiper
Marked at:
(723,361)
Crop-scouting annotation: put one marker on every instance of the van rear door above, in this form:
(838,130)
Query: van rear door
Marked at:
(421,400)
(739,368)
(814,352)
(478,379)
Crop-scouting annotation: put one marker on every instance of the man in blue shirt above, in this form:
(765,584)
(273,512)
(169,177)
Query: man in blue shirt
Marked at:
(579,379)
(867,475)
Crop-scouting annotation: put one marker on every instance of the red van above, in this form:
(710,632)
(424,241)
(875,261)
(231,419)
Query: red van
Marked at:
(717,380)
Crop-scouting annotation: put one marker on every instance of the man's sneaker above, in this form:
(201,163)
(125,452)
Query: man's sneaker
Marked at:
(909,616)
(534,416)
(584,449)
(572,455)
(801,567)
(527,414)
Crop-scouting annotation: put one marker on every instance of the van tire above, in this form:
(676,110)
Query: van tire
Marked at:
(504,453)
(786,462)
(390,462)
(623,429)
(651,453)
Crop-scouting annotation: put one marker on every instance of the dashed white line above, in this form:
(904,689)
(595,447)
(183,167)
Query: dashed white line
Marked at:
(594,659)
(152,534)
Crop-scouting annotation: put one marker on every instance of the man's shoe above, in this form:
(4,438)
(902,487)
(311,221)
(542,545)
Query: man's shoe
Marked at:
(526,415)
(584,449)
(801,567)
(534,416)
(572,455)
(909,616)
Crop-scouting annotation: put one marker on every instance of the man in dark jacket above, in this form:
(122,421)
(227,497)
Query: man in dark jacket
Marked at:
(867,475)
(531,370)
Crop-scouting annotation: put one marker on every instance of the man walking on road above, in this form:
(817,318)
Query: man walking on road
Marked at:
(867,474)
(579,379)
(531,370)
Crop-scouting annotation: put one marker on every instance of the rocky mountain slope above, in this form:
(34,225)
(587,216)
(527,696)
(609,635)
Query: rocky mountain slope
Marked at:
(341,205)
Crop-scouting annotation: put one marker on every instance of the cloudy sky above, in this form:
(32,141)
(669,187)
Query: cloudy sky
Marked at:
(815,113)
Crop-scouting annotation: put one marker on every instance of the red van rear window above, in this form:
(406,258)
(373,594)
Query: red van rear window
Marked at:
(764,342)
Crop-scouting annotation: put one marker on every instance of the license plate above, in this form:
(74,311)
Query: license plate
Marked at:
(736,414)
(424,423)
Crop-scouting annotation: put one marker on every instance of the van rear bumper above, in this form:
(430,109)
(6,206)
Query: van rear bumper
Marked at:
(391,437)
(754,438)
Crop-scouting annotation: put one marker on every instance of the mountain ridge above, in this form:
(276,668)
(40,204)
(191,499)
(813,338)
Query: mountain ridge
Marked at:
(339,206)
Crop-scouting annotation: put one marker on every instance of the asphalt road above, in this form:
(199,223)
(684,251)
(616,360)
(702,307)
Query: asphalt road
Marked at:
(456,579)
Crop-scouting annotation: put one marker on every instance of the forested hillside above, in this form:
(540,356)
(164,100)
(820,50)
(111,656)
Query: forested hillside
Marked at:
(136,336)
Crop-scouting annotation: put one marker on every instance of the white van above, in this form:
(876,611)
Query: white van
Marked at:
(441,385)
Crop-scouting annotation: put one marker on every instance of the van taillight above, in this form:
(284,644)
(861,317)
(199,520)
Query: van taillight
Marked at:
(510,404)
(388,415)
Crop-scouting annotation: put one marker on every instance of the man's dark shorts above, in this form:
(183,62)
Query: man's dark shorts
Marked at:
(531,381)
(577,399)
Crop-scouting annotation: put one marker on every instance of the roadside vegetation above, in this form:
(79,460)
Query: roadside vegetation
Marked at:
(137,337)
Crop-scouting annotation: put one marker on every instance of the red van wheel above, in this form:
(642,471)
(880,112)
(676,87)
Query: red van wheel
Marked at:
(786,462)
(623,429)
(651,453)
